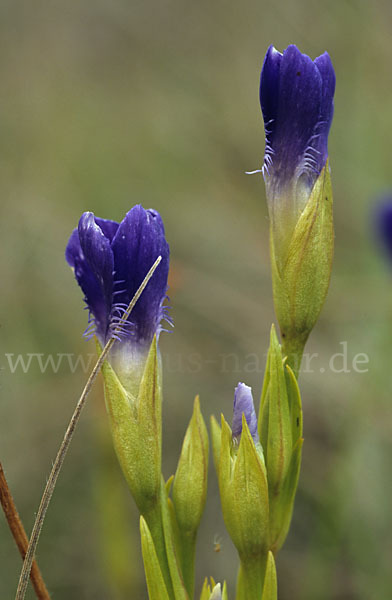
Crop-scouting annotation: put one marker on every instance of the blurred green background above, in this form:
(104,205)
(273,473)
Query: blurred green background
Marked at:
(110,103)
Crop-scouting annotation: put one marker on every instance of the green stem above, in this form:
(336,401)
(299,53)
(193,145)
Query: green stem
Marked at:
(188,551)
(251,578)
(153,519)
(293,348)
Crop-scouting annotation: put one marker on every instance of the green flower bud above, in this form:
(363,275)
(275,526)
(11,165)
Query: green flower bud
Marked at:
(301,269)
(190,491)
(275,420)
(280,431)
(190,481)
(244,493)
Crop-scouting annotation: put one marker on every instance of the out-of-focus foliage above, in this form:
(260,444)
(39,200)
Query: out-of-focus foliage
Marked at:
(107,104)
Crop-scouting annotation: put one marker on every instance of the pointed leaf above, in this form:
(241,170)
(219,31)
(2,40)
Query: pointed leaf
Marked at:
(216,440)
(279,421)
(155,582)
(270,589)
(172,558)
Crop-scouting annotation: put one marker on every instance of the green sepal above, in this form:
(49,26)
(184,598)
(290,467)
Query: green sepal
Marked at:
(280,428)
(270,588)
(284,507)
(155,582)
(244,493)
(136,429)
(224,592)
(240,587)
(206,590)
(190,481)
(179,590)
(190,491)
(294,397)
(175,528)
(300,276)
(216,440)
(278,443)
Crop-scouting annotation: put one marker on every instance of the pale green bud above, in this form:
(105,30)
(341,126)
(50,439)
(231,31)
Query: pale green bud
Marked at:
(190,481)
(280,431)
(190,491)
(244,493)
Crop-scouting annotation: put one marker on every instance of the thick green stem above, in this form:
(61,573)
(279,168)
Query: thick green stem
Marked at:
(188,550)
(153,519)
(293,348)
(251,578)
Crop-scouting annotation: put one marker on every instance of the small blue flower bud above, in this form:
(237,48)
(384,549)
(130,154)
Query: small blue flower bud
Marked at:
(243,404)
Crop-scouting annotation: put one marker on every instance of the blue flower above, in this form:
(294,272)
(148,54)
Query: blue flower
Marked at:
(384,223)
(110,261)
(296,96)
(243,404)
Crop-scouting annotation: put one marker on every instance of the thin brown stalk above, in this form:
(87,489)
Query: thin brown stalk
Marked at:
(58,463)
(19,535)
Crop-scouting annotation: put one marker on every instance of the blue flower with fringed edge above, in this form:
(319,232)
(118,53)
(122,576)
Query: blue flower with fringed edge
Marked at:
(110,261)
(296,96)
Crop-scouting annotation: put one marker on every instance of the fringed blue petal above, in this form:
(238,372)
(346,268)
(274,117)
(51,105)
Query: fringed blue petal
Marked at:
(110,261)
(139,240)
(296,96)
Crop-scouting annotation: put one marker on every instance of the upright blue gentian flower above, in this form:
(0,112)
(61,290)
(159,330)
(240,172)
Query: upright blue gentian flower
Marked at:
(384,223)
(243,405)
(296,96)
(110,261)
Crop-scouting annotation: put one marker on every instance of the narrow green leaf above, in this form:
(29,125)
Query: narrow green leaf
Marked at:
(279,421)
(270,589)
(206,590)
(294,397)
(224,592)
(287,497)
(216,440)
(155,582)
(173,560)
